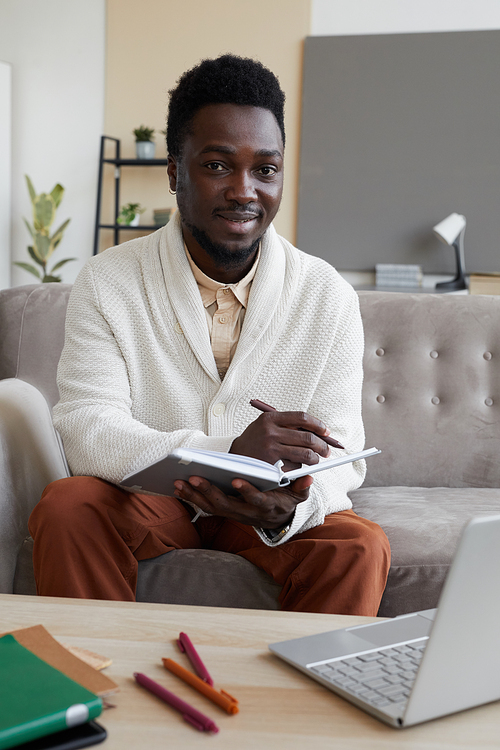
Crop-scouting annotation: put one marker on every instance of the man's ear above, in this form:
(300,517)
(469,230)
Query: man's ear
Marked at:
(172,173)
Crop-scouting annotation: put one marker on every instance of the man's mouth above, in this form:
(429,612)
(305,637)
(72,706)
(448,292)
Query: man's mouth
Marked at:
(237,217)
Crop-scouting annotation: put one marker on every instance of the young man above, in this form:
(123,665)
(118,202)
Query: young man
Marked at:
(170,336)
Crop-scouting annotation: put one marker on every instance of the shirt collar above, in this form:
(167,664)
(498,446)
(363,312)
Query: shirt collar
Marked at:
(209,287)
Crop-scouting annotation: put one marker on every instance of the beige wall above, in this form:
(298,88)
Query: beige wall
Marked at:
(150,44)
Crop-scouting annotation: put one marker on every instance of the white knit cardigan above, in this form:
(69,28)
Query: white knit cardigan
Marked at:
(137,376)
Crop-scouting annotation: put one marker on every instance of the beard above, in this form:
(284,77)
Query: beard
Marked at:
(222,256)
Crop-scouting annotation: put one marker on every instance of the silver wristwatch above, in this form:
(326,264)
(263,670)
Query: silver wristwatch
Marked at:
(274,535)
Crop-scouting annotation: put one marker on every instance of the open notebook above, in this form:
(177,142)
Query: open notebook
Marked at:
(221,468)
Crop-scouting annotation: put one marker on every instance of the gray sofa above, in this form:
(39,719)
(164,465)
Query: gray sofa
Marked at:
(430,403)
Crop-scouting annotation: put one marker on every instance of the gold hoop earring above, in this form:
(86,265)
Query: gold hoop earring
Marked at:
(172,192)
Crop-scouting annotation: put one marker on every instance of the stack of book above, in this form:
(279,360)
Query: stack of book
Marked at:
(392,274)
(162,216)
(49,697)
(484,283)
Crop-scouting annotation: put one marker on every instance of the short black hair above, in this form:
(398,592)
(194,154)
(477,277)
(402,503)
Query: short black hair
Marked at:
(227,79)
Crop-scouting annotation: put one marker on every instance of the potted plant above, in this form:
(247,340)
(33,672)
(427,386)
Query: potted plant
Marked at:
(129,214)
(144,144)
(44,212)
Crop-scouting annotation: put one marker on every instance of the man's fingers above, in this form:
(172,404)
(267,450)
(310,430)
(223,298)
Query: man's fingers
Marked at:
(295,437)
(212,500)
(186,491)
(302,443)
(248,505)
(305,441)
(301,455)
(300,420)
(200,492)
(251,495)
(302,483)
(199,483)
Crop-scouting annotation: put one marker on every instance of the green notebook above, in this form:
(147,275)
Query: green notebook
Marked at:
(36,699)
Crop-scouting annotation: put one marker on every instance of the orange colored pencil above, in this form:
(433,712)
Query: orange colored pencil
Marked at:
(222,699)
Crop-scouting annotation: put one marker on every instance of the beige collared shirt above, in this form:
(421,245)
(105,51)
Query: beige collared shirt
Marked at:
(225,306)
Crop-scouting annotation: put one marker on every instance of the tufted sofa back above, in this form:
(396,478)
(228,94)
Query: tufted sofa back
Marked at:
(431,396)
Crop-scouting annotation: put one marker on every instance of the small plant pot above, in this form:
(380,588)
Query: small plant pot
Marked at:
(145,149)
(135,221)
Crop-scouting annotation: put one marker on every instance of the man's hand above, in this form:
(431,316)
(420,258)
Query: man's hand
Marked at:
(292,436)
(268,510)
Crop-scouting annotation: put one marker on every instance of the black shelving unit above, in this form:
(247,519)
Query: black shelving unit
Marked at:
(118,163)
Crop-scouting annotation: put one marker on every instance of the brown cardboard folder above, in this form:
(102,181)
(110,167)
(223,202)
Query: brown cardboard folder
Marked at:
(39,641)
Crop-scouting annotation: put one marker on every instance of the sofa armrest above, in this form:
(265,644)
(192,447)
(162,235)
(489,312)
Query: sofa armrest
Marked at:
(30,458)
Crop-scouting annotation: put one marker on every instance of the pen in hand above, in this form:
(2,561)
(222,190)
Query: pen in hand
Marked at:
(257,404)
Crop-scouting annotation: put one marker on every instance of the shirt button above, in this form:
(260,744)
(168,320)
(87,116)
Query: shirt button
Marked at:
(222,319)
(434,354)
(488,401)
(225,291)
(435,400)
(218,410)
(381,399)
(178,328)
(487,356)
(380,352)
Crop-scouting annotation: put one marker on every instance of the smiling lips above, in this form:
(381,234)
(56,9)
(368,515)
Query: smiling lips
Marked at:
(239,216)
(238,220)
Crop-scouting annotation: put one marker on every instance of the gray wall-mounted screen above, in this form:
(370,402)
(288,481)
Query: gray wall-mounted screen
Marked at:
(398,132)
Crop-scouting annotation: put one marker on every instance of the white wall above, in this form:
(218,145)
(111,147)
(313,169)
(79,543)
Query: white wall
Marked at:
(339,17)
(57,52)
(5,173)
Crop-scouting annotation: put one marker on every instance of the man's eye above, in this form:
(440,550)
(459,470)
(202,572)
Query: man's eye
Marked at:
(215,166)
(268,171)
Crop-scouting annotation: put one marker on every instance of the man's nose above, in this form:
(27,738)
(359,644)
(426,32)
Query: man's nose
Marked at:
(241,187)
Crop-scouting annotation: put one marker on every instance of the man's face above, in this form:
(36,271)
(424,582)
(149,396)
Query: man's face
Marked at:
(229,182)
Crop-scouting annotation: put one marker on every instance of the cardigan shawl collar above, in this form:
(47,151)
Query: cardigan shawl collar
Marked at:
(277,272)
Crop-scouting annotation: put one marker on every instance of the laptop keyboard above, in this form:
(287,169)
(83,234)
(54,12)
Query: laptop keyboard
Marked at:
(381,677)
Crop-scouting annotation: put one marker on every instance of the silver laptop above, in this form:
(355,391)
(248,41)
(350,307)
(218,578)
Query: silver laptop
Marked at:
(420,666)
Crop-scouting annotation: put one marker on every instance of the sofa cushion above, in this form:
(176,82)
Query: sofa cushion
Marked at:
(207,577)
(423,526)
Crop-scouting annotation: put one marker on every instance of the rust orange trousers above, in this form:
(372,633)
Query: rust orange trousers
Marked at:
(89,535)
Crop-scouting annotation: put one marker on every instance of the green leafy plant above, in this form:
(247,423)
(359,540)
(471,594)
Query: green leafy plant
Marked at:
(143,133)
(128,212)
(44,212)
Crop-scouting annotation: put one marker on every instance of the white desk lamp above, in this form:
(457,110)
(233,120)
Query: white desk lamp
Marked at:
(451,231)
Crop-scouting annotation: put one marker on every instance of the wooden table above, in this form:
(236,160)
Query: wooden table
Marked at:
(279,706)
